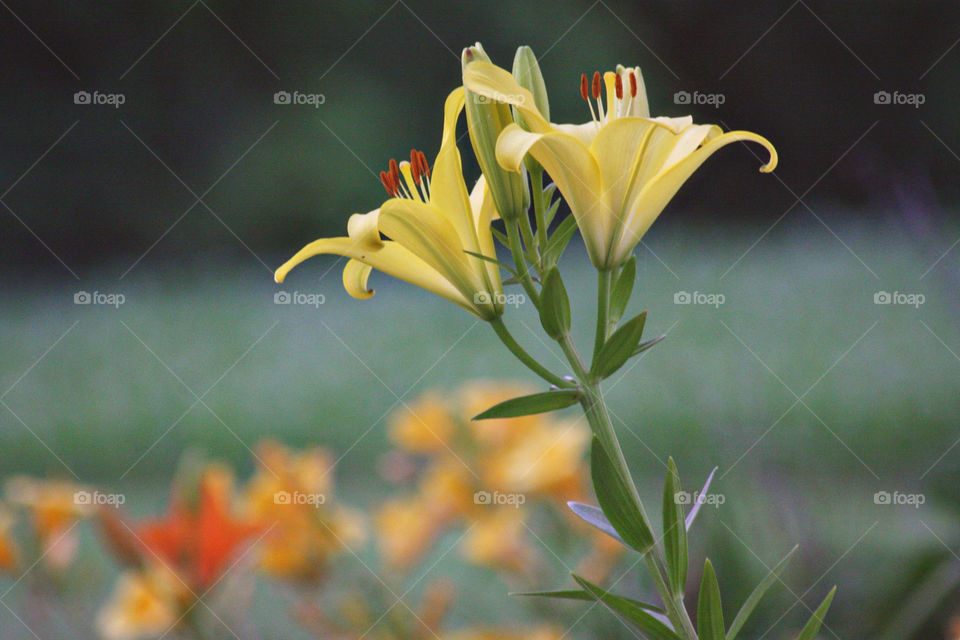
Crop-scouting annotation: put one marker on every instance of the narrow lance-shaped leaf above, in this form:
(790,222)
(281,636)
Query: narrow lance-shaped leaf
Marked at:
(643,346)
(559,240)
(554,305)
(561,594)
(619,347)
(709,608)
(674,531)
(594,516)
(699,503)
(529,405)
(637,613)
(754,598)
(812,627)
(619,503)
(622,290)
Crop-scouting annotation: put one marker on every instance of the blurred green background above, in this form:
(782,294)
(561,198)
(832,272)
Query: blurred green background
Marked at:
(808,395)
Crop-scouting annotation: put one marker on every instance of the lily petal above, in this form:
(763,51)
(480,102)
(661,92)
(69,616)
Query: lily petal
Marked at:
(486,79)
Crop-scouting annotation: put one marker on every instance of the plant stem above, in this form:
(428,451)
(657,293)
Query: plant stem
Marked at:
(523,271)
(507,338)
(603,310)
(536,186)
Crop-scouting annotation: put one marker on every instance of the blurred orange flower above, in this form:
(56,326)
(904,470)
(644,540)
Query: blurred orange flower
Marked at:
(53,508)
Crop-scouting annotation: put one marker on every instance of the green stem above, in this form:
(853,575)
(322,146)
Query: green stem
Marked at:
(507,338)
(523,271)
(603,310)
(539,211)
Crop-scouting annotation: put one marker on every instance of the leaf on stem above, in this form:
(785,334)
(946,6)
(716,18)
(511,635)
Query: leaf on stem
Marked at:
(754,598)
(643,346)
(563,594)
(619,503)
(529,405)
(674,531)
(812,627)
(594,517)
(491,260)
(622,290)
(559,240)
(619,347)
(645,617)
(554,305)
(699,503)
(709,609)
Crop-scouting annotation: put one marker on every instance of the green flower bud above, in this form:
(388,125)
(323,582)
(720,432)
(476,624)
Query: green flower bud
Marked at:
(486,118)
(526,71)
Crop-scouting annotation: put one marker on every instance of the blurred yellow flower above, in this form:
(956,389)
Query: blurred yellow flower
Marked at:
(428,429)
(144,604)
(53,508)
(9,555)
(539,633)
(498,540)
(291,496)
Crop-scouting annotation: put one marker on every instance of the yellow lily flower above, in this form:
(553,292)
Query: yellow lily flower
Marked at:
(618,171)
(433,222)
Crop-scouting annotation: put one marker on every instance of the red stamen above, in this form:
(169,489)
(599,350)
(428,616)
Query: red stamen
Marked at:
(394,174)
(385,179)
(596,85)
(633,84)
(415,166)
(619,87)
(584,87)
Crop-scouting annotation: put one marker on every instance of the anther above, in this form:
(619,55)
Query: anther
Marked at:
(584,87)
(633,84)
(424,165)
(619,87)
(385,179)
(596,85)
(415,166)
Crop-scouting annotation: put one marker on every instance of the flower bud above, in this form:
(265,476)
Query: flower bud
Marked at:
(526,71)
(486,118)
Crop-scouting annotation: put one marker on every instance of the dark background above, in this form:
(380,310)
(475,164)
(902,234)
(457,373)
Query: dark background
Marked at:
(203,94)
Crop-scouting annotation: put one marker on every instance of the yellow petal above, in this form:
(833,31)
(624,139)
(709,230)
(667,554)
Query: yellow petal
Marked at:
(575,172)
(489,80)
(355,276)
(647,204)
(390,258)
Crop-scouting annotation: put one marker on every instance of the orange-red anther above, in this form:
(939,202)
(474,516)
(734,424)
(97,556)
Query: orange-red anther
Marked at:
(394,173)
(584,87)
(424,165)
(385,179)
(415,166)
(596,85)
(619,87)
(633,84)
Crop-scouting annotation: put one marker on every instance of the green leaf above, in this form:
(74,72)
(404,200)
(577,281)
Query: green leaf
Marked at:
(501,236)
(594,517)
(552,208)
(754,598)
(674,531)
(643,346)
(529,405)
(554,305)
(619,347)
(559,240)
(619,503)
(639,613)
(563,594)
(709,609)
(480,256)
(622,289)
(697,504)
(813,626)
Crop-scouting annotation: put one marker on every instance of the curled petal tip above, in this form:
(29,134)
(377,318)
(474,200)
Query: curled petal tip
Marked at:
(278,276)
